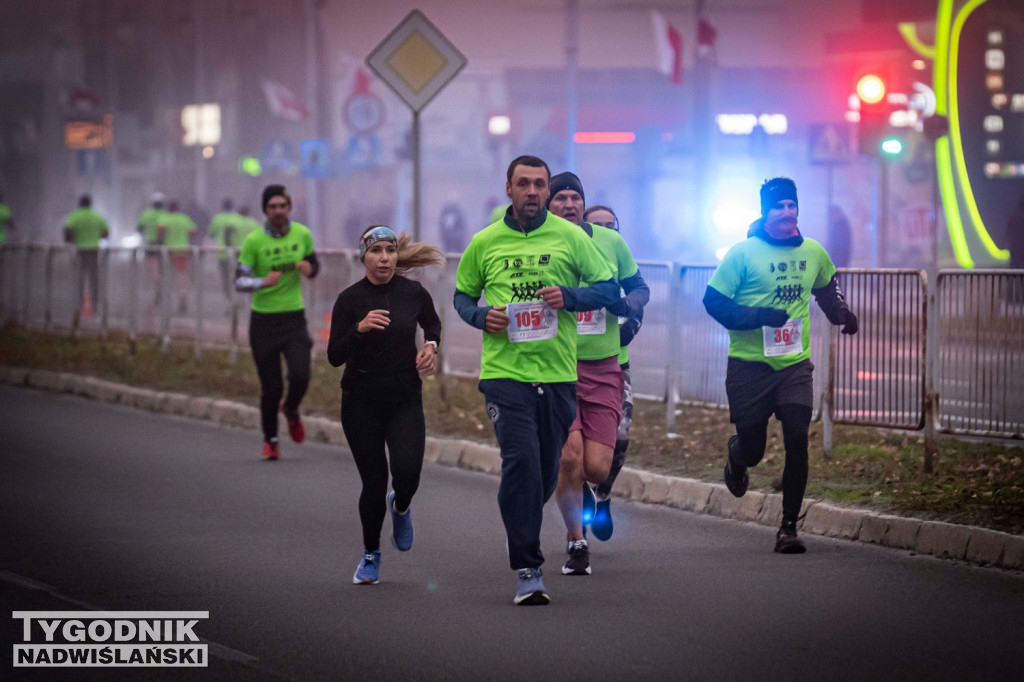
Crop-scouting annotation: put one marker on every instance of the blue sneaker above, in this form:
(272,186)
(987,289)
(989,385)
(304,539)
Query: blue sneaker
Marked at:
(368,572)
(531,588)
(587,514)
(602,524)
(401,525)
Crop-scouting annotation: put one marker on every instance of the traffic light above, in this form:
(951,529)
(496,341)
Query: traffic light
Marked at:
(874,134)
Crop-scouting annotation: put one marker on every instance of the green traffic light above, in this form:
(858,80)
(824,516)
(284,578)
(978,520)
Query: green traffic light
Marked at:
(892,146)
(250,165)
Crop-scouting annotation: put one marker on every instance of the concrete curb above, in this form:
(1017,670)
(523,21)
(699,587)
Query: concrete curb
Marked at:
(980,546)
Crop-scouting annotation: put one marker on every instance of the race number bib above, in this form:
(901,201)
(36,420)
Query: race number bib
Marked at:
(591,322)
(784,340)
(531,321)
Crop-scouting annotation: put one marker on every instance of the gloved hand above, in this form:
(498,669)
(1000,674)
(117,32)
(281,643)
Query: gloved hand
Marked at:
(772,317)
(628,329)
(849,322)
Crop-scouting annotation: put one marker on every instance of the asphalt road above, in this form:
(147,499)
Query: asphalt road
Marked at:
(109,508)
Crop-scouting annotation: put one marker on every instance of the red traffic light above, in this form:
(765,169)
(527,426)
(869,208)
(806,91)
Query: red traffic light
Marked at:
(871,88)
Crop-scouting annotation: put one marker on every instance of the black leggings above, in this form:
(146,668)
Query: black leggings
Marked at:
(753,437)
(272,335)
(369,425)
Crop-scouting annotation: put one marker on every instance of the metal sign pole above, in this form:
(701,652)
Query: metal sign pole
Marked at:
(415,175)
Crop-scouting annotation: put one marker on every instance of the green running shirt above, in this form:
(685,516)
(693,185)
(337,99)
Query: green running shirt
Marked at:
(507,265)
(87,228)
(613,247)
(179,227)
(5,223)
(149,219)
(758,274)
(264,254)
(219,229)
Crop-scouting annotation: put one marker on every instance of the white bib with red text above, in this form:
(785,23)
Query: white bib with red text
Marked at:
(784,340)
(531,321)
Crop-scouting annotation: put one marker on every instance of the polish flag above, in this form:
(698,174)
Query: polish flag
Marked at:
(670,47)
(283,103)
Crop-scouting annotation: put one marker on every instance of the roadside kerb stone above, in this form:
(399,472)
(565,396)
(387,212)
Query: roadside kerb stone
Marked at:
(226,412)
(656,487)
(433,449)
(629,484)
(1013,553)
(451,453)
(199,408)
(722,503)
(750,506)
(688,494)
(771,511)
(834,522)
(177,404)
(16,376)
(943,539)
(480,457)
(902,532)
(985,546)
(873,528)
(49,381)
(329,431)
(143,399)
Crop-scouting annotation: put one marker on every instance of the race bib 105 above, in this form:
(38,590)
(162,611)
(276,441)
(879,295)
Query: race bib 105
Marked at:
(531,321)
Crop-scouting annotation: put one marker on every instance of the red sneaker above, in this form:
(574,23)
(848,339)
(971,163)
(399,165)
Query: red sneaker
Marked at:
(271,450)
(296,429)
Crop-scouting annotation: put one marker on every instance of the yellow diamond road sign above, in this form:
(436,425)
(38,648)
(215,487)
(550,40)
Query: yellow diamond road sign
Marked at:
(416,60)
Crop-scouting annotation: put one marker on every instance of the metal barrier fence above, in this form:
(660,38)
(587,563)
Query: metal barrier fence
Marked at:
(879,372)
(979,363)
(956,370)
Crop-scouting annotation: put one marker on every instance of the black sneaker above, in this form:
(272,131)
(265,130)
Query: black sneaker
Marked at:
(579,559)
(736,480)
(786,541)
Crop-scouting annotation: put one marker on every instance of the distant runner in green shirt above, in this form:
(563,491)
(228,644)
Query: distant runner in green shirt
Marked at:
(6,221)
(176,232)
(84,228)
(223,227)
(270,266)
(147,226)
(587,455)
(761,293)
(532,268)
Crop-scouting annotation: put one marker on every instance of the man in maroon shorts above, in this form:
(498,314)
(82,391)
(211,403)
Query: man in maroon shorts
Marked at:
(587,454)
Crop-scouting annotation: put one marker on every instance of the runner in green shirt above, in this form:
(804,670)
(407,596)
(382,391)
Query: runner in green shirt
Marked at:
(587,455)
(761,293)
(6,221)
(84,228)
(223,227)
(601,517)
(147,226)
(531,268)
(269,266)
(175,231)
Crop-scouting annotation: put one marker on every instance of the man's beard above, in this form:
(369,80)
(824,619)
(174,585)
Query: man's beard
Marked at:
(279,222)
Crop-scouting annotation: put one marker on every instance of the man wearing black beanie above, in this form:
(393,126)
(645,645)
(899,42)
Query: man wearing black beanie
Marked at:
(761,293)
(270,264)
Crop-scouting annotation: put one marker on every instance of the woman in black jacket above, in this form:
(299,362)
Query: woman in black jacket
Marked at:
(373,333)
